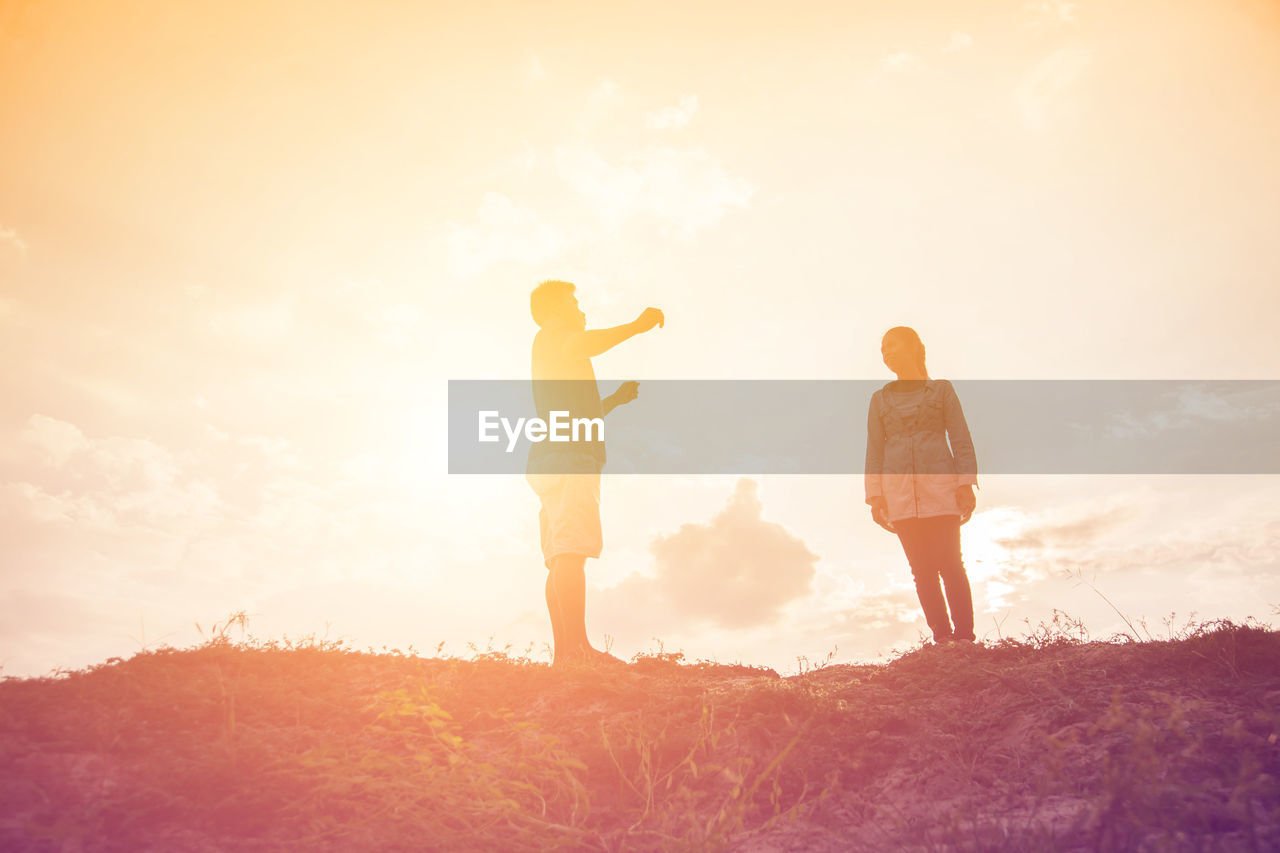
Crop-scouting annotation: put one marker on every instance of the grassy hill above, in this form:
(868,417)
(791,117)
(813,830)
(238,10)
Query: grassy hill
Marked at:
(1047,743)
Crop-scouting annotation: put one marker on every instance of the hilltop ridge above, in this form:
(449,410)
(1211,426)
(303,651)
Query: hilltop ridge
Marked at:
(1048,742)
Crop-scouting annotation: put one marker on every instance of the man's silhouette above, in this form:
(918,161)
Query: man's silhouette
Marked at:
(566,475)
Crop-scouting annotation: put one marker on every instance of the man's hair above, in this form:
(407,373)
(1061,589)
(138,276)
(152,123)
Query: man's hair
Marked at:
(546,300)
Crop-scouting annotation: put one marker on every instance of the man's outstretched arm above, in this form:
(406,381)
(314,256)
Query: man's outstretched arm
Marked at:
(593,342)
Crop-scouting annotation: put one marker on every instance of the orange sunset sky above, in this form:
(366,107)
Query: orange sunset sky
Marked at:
(243,247)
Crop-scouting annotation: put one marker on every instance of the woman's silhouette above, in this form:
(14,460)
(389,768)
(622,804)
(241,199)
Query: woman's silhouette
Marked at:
(919,487)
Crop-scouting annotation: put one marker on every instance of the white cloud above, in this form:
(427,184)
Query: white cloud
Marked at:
(959,41)
(108,481)
(398,325)
(686,190)
(673,117)
(680,190)
(603,102)
(1112,544)
(526,159)
(1192,405)
(264,322)
(27,501)
(506,232)
(364,467)
(901,60)
(532,69)
(56,440)
(1052,13)
(10,238)
(282,452)
(1043,96)
(736,571)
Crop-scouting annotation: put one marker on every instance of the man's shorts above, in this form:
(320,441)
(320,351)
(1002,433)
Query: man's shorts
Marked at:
(568,484)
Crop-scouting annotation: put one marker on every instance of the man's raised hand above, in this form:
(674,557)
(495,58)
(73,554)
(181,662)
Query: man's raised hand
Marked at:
(592,342)
(649,318)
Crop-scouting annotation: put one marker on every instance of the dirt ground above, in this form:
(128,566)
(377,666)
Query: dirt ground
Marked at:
(1043,744)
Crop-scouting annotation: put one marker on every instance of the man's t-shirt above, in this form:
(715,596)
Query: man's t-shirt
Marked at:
(563,382)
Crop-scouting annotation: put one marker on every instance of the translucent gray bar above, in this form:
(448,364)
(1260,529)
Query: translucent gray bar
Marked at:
(761,427)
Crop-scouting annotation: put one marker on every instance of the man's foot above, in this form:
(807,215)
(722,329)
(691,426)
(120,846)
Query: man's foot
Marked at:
(600,658)
(586,657)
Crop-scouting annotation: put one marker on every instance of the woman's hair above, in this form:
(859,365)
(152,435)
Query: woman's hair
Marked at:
(913,340)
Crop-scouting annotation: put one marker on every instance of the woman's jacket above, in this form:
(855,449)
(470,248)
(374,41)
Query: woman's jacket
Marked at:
(909,462)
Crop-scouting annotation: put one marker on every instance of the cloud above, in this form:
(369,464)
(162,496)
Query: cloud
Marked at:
(593,194)
(265,322)
(1195,405)
(55,440)
(506,232)
(880,620)
(1052,13)
(10,240)
(1153,555)
(525,159)
(901,60)
(603,102)
(1042,96)
(673,117)
(959,41)
(399,325)
(1042,534)
(106,482)
(736,571)
(686,190)
(682,191)
(532,69)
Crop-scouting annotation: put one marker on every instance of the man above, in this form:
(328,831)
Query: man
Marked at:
(566,475)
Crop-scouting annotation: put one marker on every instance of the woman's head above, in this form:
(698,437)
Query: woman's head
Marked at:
(903,353)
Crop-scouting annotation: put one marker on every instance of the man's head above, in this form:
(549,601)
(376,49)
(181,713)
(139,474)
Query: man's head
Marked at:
(554,306)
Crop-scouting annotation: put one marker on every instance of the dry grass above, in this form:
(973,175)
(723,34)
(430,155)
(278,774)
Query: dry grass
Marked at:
(1049,742)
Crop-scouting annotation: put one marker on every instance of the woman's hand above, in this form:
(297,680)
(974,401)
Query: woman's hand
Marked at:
(880,514)
(966,502)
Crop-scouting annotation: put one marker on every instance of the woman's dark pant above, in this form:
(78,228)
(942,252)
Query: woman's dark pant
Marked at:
(932,546)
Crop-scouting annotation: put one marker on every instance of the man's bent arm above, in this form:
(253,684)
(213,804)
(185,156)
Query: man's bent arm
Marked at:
(626,392)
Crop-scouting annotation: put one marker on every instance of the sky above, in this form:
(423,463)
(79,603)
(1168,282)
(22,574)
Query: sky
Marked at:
(244,246)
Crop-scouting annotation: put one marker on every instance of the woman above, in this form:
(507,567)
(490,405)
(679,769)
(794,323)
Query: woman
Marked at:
(917,487)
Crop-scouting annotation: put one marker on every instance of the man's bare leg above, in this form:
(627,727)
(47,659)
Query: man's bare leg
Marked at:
(567,603)
(557,623)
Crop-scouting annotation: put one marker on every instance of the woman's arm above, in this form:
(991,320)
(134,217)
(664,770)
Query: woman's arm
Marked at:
(962,451)
(874,465)
(958,435)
